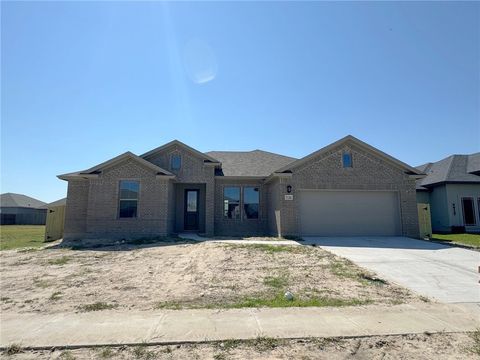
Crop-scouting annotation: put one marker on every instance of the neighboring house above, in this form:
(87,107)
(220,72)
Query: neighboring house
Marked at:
(18,209)
(347,188)
(452,188)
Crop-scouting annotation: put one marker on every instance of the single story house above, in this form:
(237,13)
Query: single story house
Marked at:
(19,209)
(347,188)
(452,188)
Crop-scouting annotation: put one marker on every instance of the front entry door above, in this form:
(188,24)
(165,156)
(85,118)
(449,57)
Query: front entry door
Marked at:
(191,210)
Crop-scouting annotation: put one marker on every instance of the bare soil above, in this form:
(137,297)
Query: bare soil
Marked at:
(435,346)
(175,275)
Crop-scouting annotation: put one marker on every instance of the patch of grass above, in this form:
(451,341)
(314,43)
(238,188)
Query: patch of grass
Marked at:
(173,305)
(98,306)
(60,261)
(279,301)
(276,282)
(230,344)
(264,343)
(472,240)
(220,356)
(142,352)
(67,355)
(105,353)
(41,283)
(271,249)
(27,250)
(475,336)
(57,295)
(347,269)
(13,349)
(21,236)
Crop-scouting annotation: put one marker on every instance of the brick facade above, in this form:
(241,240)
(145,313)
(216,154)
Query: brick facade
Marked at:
(92,203)
(369,172)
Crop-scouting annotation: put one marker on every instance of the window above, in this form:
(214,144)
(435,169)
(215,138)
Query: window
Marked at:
(468,211)
(231,202)
(128,203)
(347,160)
(175,162)
(250,202)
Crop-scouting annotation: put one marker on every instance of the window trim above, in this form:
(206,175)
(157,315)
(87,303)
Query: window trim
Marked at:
(120,199)
(473,209)
(225,217)
(243,203)
(349,153)
(172,156)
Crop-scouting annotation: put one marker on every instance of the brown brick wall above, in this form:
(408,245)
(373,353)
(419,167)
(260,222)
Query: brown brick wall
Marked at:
(76,210)
(369,172)
(242,226)
(194,171)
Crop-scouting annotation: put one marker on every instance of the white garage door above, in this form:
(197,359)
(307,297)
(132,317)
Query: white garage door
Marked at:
(349,213)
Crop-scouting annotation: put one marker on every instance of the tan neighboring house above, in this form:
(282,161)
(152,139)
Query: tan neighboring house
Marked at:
(347,188)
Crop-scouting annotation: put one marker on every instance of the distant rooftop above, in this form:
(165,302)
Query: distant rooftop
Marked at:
(19,200)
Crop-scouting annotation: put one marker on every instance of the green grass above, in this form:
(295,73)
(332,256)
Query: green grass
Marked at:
(279,301)
(60,261)
(472,240)
(98,306)
(276,282)
(271,249)
(268,300)
(21,236)
(56,296)
(13,349)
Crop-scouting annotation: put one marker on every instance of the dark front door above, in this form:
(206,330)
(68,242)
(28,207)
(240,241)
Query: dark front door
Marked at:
(191,210)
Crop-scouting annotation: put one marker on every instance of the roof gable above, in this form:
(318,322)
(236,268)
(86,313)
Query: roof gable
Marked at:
(349,139)
(116,160)
(165,147)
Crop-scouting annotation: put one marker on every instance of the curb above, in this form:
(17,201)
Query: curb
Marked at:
(191,342)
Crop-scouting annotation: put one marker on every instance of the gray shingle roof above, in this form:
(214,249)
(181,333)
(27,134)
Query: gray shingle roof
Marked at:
(455,168)
(59,202)
(19,200)
(249,163)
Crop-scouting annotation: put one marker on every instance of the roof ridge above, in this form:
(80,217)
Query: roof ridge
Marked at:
(452,157)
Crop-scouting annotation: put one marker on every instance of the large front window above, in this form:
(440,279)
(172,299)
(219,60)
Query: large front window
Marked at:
(128,196)
(251,200)
(231,202)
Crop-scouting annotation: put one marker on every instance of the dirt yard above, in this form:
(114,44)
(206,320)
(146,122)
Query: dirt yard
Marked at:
(185,275)
(435,346)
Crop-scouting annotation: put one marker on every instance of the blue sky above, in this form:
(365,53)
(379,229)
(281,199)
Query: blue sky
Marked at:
(82,82)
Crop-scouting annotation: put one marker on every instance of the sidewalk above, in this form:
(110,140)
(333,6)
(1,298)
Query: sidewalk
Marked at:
(176,326)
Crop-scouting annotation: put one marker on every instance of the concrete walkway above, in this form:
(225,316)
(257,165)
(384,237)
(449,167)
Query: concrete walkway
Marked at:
(176,326)
(442,272)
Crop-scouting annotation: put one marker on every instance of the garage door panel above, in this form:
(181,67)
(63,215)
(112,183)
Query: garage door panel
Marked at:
(349,213)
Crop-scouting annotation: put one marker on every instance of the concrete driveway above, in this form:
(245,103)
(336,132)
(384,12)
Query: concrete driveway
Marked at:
(445,273)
